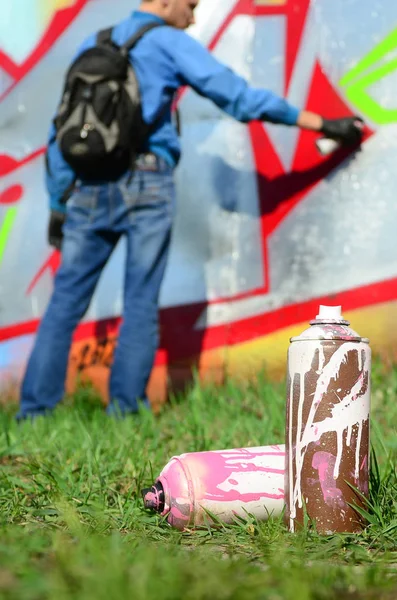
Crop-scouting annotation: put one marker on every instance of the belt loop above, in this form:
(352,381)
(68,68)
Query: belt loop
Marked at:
(130,176)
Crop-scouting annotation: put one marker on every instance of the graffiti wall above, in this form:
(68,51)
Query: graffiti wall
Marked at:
(267,230)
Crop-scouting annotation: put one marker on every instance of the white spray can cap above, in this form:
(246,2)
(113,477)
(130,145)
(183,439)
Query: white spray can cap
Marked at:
(330,312)
(329,324)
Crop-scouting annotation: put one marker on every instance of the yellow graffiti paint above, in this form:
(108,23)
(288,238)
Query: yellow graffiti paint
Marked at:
(48,8)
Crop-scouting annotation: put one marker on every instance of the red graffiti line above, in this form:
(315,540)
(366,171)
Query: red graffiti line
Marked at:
(179,335)
(51,264)
(60,22)
(280,191)
(8,164)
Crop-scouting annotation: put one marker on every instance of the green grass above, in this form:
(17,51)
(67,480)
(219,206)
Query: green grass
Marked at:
(73,525)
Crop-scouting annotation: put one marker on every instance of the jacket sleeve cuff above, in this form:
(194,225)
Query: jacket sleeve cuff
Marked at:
(291,115)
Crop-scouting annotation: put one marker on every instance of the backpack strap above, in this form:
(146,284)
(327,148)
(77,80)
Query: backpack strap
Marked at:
(130,43)
(104,36)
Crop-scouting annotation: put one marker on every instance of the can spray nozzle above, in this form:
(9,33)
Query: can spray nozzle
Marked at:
(329,314)
(154,498)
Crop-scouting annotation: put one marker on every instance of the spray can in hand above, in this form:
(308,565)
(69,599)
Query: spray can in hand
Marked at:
(327,425)
(338,133)
(226,483)
(326,146)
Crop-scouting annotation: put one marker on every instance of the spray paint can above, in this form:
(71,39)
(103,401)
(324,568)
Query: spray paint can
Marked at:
(326,146)
(226,483)
(327,425)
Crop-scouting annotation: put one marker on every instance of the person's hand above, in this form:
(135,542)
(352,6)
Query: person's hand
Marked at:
(348,130)
(55,225)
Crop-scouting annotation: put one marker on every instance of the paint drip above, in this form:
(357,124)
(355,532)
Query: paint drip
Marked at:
(327,425)
(225,484)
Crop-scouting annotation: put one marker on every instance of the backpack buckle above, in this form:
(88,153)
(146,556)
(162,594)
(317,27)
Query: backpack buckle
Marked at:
(147,162)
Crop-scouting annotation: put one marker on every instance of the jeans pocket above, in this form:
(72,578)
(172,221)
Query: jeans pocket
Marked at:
(82,204)
(147,188)
(156,187)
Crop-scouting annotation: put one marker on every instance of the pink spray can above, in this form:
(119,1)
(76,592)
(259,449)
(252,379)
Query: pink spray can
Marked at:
(327,428)
(225,483)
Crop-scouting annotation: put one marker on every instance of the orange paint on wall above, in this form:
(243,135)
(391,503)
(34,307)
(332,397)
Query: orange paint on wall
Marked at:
(90,361)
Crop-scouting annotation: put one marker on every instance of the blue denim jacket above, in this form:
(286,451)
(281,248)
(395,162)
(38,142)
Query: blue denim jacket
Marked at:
(164,60)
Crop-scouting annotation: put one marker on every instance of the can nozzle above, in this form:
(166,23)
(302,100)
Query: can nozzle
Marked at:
(329,315)
(330,312)
(153,498)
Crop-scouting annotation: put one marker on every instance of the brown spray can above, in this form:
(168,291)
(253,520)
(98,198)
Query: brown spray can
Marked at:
(327,425)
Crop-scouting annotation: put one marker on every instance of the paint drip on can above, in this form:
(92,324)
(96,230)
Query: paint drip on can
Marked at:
(224,483)
(327,425)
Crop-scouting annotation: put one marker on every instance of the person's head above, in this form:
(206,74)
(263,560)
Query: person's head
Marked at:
(177,13)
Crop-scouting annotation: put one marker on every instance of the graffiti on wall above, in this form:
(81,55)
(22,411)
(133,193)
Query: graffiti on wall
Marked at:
(269,230)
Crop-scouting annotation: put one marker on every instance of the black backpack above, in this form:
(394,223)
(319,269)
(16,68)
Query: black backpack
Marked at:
(99,123)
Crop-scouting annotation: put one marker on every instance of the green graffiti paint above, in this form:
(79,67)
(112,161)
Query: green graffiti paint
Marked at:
(366,73)
(6,227)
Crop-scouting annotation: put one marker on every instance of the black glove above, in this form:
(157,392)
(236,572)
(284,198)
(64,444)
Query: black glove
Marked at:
(55,224)
(347,129)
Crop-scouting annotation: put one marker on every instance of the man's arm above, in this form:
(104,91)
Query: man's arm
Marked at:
(59,176)
(212,79)
(59,179)
(230,92)
(309,120)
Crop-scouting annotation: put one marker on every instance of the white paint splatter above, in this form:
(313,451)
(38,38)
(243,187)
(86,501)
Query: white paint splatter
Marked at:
(290,459)
(349,435)
(358,445)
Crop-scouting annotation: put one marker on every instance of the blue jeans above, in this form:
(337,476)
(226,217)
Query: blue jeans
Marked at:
(142,209)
